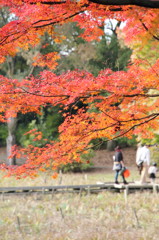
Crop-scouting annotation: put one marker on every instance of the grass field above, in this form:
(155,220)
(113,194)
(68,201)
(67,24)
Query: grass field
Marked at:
(45,178)
(70,217)
(74,217)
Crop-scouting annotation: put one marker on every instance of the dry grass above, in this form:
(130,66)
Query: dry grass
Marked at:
(45,178)
(74,217)
(71,216)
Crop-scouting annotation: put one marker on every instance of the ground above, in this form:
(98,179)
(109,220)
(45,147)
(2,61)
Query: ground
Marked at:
(104,158)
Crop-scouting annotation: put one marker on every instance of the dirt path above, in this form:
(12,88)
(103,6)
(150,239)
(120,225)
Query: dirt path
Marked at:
(102,158)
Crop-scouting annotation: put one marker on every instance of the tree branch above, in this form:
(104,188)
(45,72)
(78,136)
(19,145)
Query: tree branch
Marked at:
(41,95)
(136,125)
(57,21)
(140,3)
(146,28)
(141,95)
(147,119)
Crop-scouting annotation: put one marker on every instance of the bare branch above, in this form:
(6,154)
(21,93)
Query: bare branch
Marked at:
(140,3)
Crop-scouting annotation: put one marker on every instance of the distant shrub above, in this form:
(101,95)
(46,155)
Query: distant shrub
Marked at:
(155,154)
(126,142)
(84,165)
(3,134)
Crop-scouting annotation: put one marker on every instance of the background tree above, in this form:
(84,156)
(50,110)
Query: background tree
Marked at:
(106,52)
(18,66)
(110,53)
(120,99)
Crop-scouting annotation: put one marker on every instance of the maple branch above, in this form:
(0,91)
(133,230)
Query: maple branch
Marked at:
(146,28)
(140,3)
(5,38)
(49,3)
(136,125)
(57,21)
(151,117)
(40,95)
(40,26)
(80,98)
(150,66)
(141,95)
(125,95)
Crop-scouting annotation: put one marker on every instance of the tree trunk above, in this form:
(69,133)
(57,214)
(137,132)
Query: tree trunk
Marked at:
(11,140)
(111,145)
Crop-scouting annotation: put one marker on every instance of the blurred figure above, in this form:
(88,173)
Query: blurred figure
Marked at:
(139,162)
(152,172)
(144,156)
(118,164)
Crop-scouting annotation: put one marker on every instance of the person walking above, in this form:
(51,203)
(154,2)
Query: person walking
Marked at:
(152,172)
(144,156)
(118,164)
(139,162)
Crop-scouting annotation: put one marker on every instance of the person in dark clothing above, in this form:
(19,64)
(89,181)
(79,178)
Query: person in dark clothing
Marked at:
(118,164)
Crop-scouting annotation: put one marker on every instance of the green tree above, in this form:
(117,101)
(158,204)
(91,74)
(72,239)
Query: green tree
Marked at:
(75,52)
(110,52)
(21,66)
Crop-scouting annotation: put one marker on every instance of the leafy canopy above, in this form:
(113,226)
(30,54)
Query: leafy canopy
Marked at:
(118,103)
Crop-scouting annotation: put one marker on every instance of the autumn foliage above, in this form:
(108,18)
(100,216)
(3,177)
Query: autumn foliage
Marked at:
(117,103)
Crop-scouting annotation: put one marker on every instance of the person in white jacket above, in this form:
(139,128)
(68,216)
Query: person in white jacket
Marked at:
(144,157)
(139,162)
